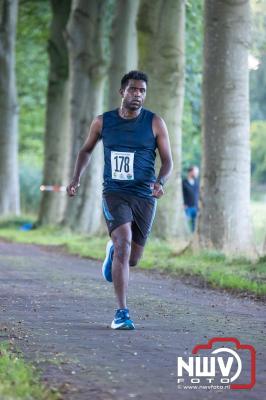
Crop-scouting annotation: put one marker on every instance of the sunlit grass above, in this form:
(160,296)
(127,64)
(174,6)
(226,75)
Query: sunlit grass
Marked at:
(211,267)
(93,247)
(19,380)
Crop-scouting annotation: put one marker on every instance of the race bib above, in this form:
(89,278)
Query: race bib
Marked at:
(122,165)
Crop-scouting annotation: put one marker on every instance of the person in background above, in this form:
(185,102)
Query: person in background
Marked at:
(190,187)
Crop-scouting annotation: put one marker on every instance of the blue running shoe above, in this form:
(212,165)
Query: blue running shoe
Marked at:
(107,264)
(122,320)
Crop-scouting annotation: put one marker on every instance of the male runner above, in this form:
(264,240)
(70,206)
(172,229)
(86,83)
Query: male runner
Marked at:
(130,136)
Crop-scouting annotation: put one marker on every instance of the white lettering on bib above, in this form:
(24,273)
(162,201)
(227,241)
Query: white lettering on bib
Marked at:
(122,165)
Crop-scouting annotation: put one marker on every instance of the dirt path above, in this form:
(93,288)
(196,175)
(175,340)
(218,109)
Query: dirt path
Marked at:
(58,310)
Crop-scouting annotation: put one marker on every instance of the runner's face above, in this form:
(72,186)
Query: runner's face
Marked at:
(134,94)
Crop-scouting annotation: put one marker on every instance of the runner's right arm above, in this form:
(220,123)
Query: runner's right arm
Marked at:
(84,154)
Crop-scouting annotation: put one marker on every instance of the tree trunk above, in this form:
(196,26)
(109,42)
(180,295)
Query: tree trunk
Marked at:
(57,141)
(9,180)
(224,221)
(87,73)
(124,56)
(161,28)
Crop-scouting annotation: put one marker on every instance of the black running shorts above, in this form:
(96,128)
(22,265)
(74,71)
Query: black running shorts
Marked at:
(119,208)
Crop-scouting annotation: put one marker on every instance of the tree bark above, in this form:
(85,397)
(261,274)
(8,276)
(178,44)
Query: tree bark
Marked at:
(9,179)
(87,73)
(57,140)
(224,221)
(124,55)
(161,29)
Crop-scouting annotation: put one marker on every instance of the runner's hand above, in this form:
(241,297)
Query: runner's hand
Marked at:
(72,188)
(157,190)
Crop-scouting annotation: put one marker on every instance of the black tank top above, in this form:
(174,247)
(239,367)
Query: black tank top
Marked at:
(129,153)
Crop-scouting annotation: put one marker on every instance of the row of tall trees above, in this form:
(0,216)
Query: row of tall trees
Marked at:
(225,193)
(9,182)
(76,92)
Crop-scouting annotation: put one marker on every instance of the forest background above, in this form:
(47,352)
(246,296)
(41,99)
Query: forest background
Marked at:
(32,75)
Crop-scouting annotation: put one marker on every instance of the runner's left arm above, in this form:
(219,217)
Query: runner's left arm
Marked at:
(163,144)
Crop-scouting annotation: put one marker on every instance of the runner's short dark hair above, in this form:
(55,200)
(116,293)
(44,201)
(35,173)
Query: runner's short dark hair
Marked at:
(137,75)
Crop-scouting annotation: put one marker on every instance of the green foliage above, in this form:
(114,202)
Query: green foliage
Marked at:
(258,212)
(18,380)
(258,49)
(32,69)
(258,151)
(258,90)
(258,27)
(109,15)
(192,105)
(30,181)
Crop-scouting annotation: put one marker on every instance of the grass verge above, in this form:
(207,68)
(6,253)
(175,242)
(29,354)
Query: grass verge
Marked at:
(19,380)
(211,267)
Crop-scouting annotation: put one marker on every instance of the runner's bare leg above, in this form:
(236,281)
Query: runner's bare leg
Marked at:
(121,238)
(136,253)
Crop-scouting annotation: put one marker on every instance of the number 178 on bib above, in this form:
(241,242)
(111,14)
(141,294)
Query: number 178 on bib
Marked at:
(122,164)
